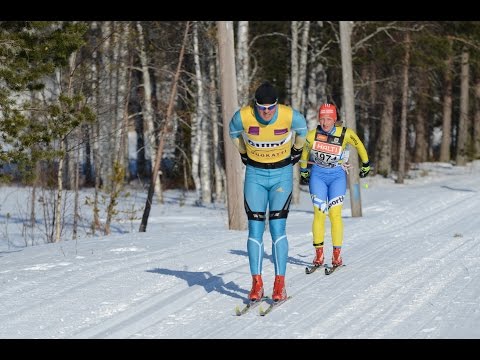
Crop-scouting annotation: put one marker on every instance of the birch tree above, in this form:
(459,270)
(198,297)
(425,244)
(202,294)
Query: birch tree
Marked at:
(384,152)
(219,171)
(121,115)
(421,132)
(147,107)
(462,136)
(237,219)
(447,107)
(243,63)
(350,121)
(476,122)
(167,124)
(298,81)
(197,119)
(403,121)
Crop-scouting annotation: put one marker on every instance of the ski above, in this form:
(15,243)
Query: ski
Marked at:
(272,306)
(331,269)
(313,268)
(251,304)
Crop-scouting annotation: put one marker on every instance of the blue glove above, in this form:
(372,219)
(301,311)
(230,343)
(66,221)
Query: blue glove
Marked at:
(295,155)
(304,176)
(365,169)
(244,158)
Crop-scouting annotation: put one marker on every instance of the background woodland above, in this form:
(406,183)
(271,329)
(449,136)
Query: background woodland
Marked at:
(90,104)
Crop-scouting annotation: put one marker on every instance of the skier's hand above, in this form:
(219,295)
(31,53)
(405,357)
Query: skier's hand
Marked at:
(346,167)
(304,176)
(365,169)
(244,158)
(295,155)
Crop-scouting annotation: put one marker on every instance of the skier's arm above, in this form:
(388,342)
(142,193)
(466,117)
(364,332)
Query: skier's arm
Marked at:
(354,140)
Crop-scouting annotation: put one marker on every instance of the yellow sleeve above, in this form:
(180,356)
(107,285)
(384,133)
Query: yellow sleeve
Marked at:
(353,139)
(306,149)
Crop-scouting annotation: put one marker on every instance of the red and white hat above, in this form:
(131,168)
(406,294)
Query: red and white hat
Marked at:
(327,111)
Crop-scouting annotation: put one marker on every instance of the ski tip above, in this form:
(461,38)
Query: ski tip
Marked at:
(331,269)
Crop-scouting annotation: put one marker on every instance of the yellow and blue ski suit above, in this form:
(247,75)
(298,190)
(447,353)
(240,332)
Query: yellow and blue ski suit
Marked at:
(268,177)
(328,180)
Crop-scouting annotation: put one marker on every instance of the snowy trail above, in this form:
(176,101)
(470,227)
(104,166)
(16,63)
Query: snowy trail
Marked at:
(413,271)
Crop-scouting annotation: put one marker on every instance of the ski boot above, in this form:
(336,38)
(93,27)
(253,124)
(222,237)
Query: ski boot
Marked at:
(256,293)
(279,292)
(336,258)
(318,261)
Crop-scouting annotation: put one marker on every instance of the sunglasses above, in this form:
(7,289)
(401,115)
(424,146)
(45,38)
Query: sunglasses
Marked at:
(263,107)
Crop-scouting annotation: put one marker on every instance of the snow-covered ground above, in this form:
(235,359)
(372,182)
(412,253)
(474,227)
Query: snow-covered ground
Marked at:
(412,270)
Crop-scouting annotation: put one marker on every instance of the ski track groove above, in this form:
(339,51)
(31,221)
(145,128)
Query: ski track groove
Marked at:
(434,219)
(355,311)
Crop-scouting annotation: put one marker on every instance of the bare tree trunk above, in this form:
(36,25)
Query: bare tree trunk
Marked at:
(385,140)
(237,219)
(462,137)
(107,98)
(158,157)
(350,120)
(122,67)
(58,202)
(147,108)
(403,121)
(123,83)
(243,62)
(197,124)
(217,161)
(317,92)
(96,133)
(447,111)
(476,123)
(294,64)
(302,68)
(69,174)
(372,113)
(76,206)
(421,133)
(205,136)
(298,74)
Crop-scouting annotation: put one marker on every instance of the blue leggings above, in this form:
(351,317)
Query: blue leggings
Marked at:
(272,189)
(327,190)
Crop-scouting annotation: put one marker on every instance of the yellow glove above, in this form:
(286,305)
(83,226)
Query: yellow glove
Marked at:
(365,169)
(304,176)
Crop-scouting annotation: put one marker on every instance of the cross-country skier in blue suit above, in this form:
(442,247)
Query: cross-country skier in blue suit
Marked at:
(270,138)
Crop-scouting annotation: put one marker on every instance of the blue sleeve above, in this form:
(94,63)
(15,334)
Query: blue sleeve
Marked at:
(236,126)
(299,124)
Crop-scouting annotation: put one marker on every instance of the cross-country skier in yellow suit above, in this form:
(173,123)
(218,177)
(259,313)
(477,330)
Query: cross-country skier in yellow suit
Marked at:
(324,150)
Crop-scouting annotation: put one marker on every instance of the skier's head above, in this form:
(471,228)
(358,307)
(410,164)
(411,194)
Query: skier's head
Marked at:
(266,94)
(327,116)
(266,98)
(327,111)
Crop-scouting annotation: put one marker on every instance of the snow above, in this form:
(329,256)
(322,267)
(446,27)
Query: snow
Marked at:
(412,269)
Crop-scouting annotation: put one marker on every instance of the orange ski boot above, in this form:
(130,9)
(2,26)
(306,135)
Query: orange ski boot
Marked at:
(279,292)
(256,293)
(336,258)
(318,261)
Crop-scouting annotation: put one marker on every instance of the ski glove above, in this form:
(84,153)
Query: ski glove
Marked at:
(295,155)
(244,158)
(304,176)
(365,169)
